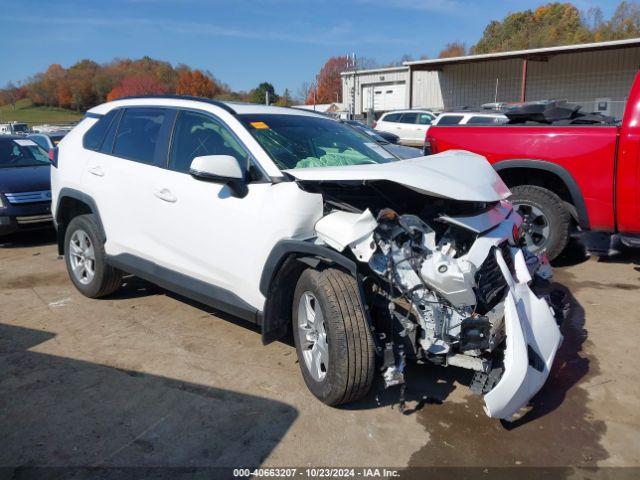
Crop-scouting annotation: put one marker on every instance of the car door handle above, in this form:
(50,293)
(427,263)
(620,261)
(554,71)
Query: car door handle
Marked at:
(166,195)
(98,171)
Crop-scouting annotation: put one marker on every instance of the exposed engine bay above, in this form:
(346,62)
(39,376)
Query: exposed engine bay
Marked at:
(446,281)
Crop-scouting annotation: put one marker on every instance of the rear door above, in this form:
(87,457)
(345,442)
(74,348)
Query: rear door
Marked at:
(408,128)
(120,174)
(389,123)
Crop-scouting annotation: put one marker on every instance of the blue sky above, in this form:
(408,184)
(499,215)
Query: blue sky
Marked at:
(242,42)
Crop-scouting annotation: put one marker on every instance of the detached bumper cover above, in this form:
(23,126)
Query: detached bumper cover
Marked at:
(532,340)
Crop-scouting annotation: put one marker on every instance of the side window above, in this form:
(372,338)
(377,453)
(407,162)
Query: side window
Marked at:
(450,119)
(409,117)
(139,134)
(93,138)
(485,121)
(40,140)
(391,117)
(195,135)
(425,119)
(107,143)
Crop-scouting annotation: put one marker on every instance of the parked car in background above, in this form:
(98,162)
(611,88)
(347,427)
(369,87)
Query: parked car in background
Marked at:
(470,118)
(25,188)
(400,151)
(14,128)
(299,223)
(389,137)
(410,125)
(466,118)
(47,140)
(581,171)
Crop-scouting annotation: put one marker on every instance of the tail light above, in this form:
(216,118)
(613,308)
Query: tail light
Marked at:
(432,144)
(53,156)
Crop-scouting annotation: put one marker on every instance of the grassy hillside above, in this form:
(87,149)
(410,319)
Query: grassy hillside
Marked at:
(26,112)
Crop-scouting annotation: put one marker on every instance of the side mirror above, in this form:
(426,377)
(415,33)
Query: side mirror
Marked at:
(220,169)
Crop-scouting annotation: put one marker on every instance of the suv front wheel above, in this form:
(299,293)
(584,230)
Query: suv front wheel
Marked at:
(333,341)
(86,259)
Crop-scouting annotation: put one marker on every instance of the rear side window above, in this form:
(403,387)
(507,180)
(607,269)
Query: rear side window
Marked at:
(92,140)
(139,134)
(425,119)
(486,121)
(409,118)
(450,119)
(107,143)
(392,117)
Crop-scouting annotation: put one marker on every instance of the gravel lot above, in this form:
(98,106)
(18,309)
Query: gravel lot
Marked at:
(147,378)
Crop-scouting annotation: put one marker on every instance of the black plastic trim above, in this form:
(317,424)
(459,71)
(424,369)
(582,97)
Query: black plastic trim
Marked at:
(184,285)
(61,228)
(302,248)
(565,176)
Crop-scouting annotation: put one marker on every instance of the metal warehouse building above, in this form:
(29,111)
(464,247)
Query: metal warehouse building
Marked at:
(595,75)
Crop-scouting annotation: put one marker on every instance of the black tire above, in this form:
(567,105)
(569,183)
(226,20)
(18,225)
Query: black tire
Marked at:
(106,279)
(557,217)
(351,364)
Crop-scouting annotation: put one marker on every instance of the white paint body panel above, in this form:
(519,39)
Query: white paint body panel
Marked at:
(454,174)
(529,323)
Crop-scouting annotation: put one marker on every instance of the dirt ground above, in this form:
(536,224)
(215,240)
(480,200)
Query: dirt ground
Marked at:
(146,378)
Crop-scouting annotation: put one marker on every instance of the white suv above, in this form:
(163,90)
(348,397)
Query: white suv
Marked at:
(410,126)
(301,224)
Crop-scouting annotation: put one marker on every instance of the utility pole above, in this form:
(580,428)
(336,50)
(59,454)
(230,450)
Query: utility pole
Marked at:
(266,98)
(353,88)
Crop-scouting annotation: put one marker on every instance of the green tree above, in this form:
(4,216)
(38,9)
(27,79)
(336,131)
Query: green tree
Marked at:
(258,95)
(549,25)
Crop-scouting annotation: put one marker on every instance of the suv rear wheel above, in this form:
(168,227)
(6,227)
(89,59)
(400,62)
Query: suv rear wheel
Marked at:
(86,259)
(333,341)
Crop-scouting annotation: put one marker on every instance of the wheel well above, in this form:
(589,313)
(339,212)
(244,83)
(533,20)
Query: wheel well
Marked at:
(68,208)
(514,177)
(276,322)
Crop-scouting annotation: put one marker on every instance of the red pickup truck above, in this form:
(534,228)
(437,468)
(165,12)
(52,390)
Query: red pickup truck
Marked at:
(563,177)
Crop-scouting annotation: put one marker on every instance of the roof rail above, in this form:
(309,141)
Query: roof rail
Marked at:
(210,101)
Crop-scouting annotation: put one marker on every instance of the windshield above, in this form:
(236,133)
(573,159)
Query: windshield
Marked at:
(299,141)
(22,153)
(20,128)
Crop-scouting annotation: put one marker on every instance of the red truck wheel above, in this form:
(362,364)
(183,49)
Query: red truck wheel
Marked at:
(545,220)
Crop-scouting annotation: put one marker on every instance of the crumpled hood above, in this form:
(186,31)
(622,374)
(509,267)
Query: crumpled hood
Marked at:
(454,174)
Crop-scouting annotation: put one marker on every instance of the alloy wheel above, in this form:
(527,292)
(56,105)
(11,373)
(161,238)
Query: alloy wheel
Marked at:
(313,336)
(82,257)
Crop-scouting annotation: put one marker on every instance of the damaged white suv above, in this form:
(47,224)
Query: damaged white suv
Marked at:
(300,223)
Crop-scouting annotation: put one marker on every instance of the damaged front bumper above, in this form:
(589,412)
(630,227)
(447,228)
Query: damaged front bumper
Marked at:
(532,340)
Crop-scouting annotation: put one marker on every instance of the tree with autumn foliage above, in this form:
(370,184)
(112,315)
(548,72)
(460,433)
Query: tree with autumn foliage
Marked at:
(197,84)
(454,49)
(137,85)
(329,85)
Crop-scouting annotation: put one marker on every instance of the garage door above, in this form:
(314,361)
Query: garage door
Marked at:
(383,97)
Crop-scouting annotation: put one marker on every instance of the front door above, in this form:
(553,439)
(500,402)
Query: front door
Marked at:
(201,229)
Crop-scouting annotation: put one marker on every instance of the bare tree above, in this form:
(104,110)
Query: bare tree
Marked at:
(10,95)
(303,92)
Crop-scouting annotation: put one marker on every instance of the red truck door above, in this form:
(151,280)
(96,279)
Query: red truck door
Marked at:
(627,179)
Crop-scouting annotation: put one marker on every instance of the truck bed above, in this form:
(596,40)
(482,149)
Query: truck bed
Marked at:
(587,153)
